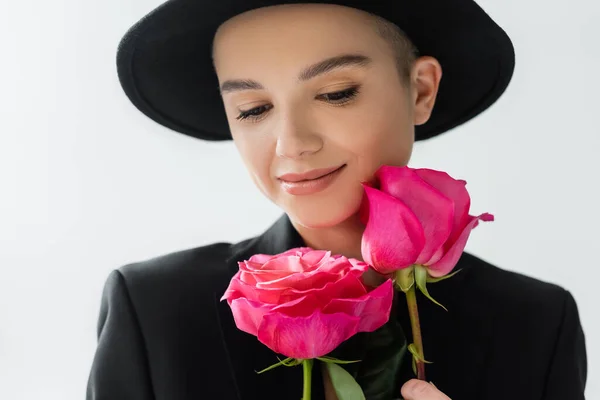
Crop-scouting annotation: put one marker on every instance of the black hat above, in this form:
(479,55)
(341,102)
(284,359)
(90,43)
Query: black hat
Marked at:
(164,61)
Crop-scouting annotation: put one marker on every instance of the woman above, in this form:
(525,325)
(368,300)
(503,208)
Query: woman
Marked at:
(307,90)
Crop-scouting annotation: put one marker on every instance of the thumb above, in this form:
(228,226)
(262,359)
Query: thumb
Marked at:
(416,389)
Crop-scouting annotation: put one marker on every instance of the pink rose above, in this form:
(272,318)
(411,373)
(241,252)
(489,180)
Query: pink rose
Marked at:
(416,217)
(303,303)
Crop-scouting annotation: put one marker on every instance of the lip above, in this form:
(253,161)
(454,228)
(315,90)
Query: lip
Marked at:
(309,175)
(299,184)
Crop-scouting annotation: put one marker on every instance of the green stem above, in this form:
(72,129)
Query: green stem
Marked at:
(413,310)
(307,369)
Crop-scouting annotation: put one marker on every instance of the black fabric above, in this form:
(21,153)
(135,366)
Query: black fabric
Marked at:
(164,335)
(165,66)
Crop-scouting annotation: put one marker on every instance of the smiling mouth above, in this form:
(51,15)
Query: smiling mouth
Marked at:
(324,175)
(309,176)
(311,186)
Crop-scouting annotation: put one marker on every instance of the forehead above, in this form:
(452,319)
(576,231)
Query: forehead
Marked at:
(292,33)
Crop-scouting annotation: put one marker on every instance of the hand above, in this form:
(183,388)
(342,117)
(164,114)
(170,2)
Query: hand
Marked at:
(421,390)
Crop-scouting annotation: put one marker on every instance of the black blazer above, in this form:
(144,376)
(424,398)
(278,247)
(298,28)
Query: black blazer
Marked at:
(164,335)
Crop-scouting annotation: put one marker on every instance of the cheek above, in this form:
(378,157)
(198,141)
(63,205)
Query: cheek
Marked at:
(382,135)
(257,159)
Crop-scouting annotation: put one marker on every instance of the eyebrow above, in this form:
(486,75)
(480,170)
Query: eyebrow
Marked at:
(310,72)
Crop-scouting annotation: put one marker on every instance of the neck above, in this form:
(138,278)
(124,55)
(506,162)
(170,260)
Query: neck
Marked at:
(343,238)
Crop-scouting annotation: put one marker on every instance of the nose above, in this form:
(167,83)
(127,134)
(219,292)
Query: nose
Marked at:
(296,139)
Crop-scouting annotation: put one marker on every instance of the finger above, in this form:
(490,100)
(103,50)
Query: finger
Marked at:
(416,389)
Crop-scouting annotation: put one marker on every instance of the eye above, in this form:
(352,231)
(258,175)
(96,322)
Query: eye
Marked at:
(253,113)
(341,97)
(338,98)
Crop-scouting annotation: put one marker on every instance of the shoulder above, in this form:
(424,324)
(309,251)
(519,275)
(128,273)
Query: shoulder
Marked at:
(152,309)
(528,318)
(204,268)
(181,284)
(494,284)
(513,300)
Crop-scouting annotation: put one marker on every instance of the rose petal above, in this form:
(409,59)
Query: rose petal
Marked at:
(454,189)
(447,263)
(301,307)
(260,259)
(360,266)
(252,273)
(316,257)
(238,288)
(363,210)
(342,265)
(288,264)
(301,281)
(258,276)
(248,314)
(393,237)
(306,337)
(231,290)
(434,210)
(248,278)
(318,278)
(486,217)
(331,271)
(254,268)
(438,254)
(263,258)
(298,251)
(348,286)
(373,308)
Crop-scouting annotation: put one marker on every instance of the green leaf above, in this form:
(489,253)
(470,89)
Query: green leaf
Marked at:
(285,362)
(421,280)
(291,362)
(346,388)
(413,350)
(431,279)
(380,372)
(336,361)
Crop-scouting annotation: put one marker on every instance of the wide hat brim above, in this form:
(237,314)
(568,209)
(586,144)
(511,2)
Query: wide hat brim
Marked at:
(165,67)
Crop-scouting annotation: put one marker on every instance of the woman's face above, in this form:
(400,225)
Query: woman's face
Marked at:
(287,117)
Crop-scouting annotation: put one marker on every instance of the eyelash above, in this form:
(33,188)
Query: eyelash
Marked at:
(346,96)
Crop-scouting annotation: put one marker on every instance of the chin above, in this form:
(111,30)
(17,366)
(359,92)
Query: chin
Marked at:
(316,221)
(323,215)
